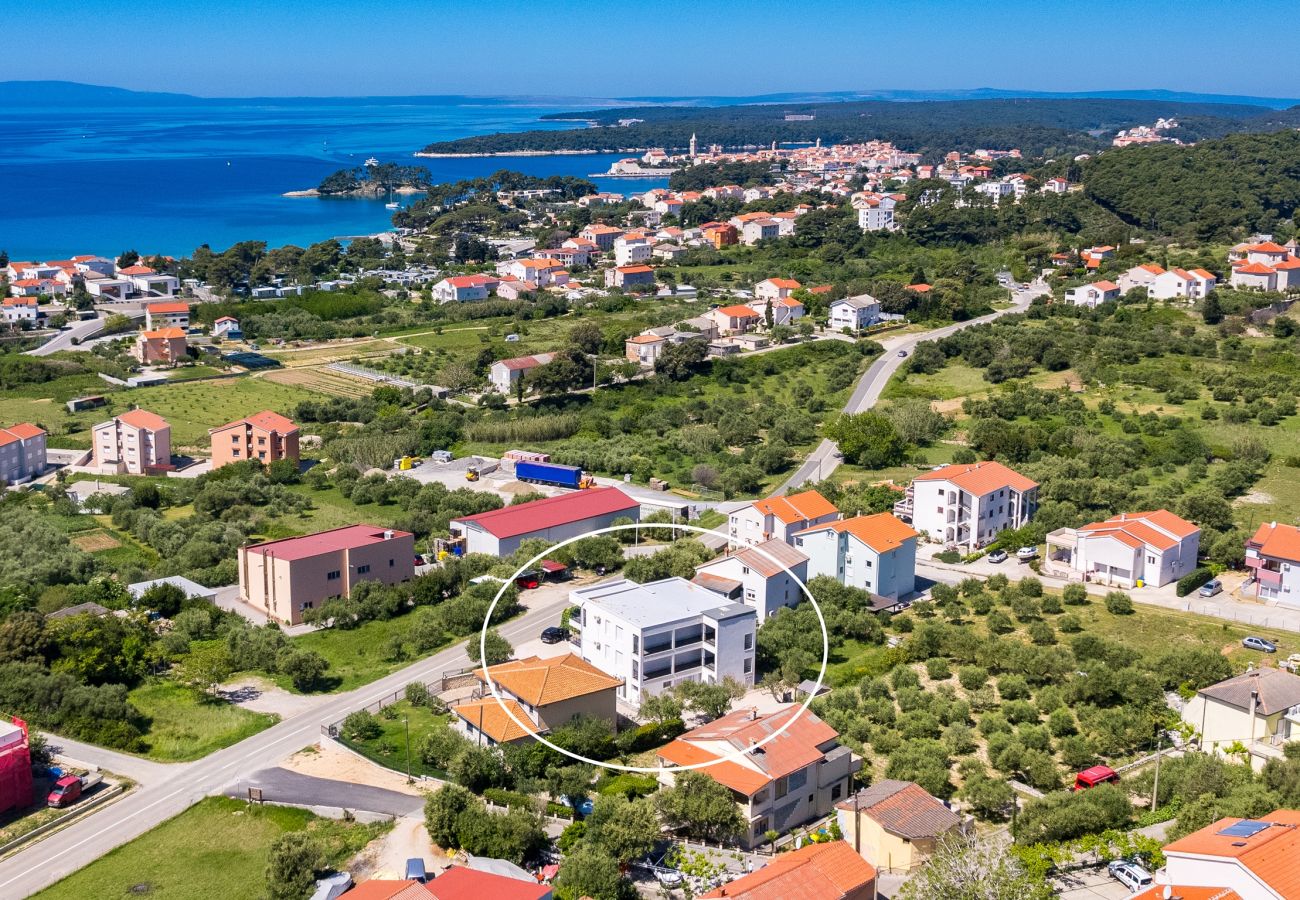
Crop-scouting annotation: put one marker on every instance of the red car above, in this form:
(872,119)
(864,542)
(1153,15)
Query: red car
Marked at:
(1095,776)
(528,581)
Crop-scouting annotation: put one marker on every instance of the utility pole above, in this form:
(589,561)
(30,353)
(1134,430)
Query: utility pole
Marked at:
(1155,783)
(406,723)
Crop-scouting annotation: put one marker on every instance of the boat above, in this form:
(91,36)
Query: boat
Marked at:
(372,161)
(392,206)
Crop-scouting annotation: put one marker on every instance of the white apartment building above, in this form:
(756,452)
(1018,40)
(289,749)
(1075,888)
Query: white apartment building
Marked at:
(1154,548)
(137,442)
(629,250)
(967,505)
(663,633)
(854,313)
(779,518)
(1092,295)
(754,576)
(875,553)
(877,214)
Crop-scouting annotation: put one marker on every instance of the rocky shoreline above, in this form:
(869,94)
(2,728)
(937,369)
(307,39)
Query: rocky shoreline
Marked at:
(366,192)
(427,155)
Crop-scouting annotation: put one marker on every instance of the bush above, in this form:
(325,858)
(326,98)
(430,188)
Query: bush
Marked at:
(1065,816)
(502,797)
(417,693)
(628,784)
(361,726)
(648,736)
(1192,580)
(937,668)
(1031,587)
(972,677)
(1070,624)
(1075,594)
(1119,603)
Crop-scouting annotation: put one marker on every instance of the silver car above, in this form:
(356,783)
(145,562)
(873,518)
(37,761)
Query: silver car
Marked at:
(1130,874)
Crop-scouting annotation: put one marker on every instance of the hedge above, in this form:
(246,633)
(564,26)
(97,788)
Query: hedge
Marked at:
(502,797)
(1192,580)
(629,784)
(649,736)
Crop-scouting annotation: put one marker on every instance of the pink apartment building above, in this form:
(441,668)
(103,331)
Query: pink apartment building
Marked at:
(286,577)
(135,443)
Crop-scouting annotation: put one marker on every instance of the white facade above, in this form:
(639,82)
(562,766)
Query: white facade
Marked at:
(874,553)
(627,252)
(969,505)
(1092,295)
(125,447)
(1153,548)
(854,313)
(506,372)
(756,571)
(778,518)
(663,633)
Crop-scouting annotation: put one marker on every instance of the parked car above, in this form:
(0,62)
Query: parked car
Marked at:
(554,634)
(419,560)
(1024,554)
(415,870)
(1093,776)
(70,788)
(998,556)
(902,353)
(1258,643)
(1211,587)
(528,581)
(1130,874)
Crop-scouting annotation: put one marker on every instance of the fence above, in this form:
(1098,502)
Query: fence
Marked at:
(438,684)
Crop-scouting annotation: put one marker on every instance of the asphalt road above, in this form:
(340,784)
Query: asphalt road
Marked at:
(823,460)
(283,786)
(182,785)
(63,340)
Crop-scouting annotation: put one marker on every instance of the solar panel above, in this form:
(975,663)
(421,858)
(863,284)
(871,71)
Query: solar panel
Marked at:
(1245,828)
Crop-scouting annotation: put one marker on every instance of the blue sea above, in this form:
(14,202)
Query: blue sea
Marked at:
(169,179)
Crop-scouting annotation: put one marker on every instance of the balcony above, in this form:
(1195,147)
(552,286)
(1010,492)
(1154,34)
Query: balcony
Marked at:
(650,649)
(658,670)
(1268,578)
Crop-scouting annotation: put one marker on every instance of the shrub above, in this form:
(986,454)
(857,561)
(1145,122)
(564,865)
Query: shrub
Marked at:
(1052,605)
(1031,587)
(361,726)
(937,668)
(502,797)
(1013,687)
(417,693)
(1075,594)
(1070,624)
(972,677)
(648,736)
(1119,603)
(1192,580)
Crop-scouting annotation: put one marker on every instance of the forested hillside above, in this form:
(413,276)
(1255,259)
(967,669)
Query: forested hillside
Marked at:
(1037,127)
(1204,192)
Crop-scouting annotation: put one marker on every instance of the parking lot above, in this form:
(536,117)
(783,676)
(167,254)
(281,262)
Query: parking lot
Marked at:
(1090,884)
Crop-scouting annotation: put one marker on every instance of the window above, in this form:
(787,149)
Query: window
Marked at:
(749,666)
(308,604)
(749,642)
(781,787)
(261,441)
(333,576)
(1151,559)
(836,792)
(361,570)
(744,570)
(234,452)
(391,563)
(234,439)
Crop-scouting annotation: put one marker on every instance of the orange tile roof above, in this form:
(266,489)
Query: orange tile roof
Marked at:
(142,418)
(1265,247)
(829,871)
(730,774)
(1269,855)
(164,334)
(1254,269)
(738,312)
(645,339)
(488,717)
(920,288)
(540,682)
(385,889)
(137,270)
(980,478)
(265,420)
(1181,892)
(1278,540)
(791,508)
(1204,274)
(162,308)
(1106,286)
(881,532)
(1152,268)
(785,284)
(23,431)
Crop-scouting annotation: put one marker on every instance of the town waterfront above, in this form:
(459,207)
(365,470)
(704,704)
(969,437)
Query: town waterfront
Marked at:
(168,179)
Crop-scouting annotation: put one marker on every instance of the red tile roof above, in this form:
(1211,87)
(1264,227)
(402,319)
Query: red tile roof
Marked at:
(760,558)
(903,808)
(541,682)
(136,270)
(23,431)
(1181,892)
(1254,269)
(527,362)
(1270,854)
(1277,540)
(792,508)
(830,871)
(265,420)
(164,308)
(980,478)
(1160,528)
(538,515)
(385,889)
(141,418)
(738,312)
(461,883)
(488,717)
(331,541)
(169,334)
(881,532)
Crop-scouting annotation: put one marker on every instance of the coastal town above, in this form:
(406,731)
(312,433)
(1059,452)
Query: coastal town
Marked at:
(828,519)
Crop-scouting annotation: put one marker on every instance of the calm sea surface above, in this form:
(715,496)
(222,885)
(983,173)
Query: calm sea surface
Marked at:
(168,179)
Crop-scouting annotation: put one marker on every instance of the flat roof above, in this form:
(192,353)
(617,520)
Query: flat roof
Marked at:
(658,602)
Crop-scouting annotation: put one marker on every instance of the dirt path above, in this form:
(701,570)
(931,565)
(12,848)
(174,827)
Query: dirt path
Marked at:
(386,858)
(261,695)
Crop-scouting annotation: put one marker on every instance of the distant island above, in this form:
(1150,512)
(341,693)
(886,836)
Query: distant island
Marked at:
(1036,126)
(371,180)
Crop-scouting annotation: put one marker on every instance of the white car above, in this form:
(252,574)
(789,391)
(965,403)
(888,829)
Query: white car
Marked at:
(1130,874)
(1024,554)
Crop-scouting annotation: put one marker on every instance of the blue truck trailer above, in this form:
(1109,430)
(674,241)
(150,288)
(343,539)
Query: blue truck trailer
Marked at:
(552,474)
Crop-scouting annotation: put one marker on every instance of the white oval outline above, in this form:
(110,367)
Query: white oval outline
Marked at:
(734,756)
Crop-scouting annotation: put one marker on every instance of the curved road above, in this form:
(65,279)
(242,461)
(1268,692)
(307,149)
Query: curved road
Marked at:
(171,789)
(823,460)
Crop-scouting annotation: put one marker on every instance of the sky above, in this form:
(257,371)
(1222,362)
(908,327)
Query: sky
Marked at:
(662,47)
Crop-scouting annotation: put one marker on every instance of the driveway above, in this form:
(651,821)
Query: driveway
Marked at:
(1089,884)
(283,786)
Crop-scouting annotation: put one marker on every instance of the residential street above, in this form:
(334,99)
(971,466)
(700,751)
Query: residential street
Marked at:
(63,340)
(46,861)
(823,461)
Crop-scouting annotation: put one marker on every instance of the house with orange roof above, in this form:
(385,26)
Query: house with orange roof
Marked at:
(1258,710)
(1139,276)
(876,553)
(632,248)
(1093,295)
(766,576)
(464,288)
(541,695)
(775,288)
(720,234)
(967,505)
(1253,275)
(826,871)
(1127,550)
(652,636)
(779,518)
(166,315)
(630,276)
(1249,859)
(794,778)
(19,309)
(37,287)
(149,282)
(165,346)
(1273,560)
(541,272)
(266,436)
(737,319)
(603,236)
(137,442)
(1181,284)
(895,825)
(504,373)
(22,453)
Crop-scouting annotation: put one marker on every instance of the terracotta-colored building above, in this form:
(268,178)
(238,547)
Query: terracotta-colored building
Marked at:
(135,443)
(286,577)
(264,436)
(829,871)
(165,346)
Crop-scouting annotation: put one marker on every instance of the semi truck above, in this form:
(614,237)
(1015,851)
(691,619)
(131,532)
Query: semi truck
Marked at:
(552,474)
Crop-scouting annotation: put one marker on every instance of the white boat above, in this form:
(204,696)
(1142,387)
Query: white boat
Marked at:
(372,161)
(392,206)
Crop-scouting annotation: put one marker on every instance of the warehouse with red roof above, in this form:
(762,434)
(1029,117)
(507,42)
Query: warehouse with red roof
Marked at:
(499,532)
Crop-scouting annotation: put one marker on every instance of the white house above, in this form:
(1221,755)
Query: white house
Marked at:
(227,326)
(506,372)
(876,553)
(663,633)
(756,230)
(968,505)
(19,309)
(1139,276)
(855,313)
(541,272)
(775,288)
(1255,275)
(1092,295)
(1154,548)
(753,576)
(166,315)
(779,518)
(462,288)
(630,249)
(785,311)
(876,213)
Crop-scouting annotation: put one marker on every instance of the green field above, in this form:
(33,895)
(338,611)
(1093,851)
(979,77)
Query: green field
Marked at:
(217,848)
(356,656)
(389,749)
(184,726)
